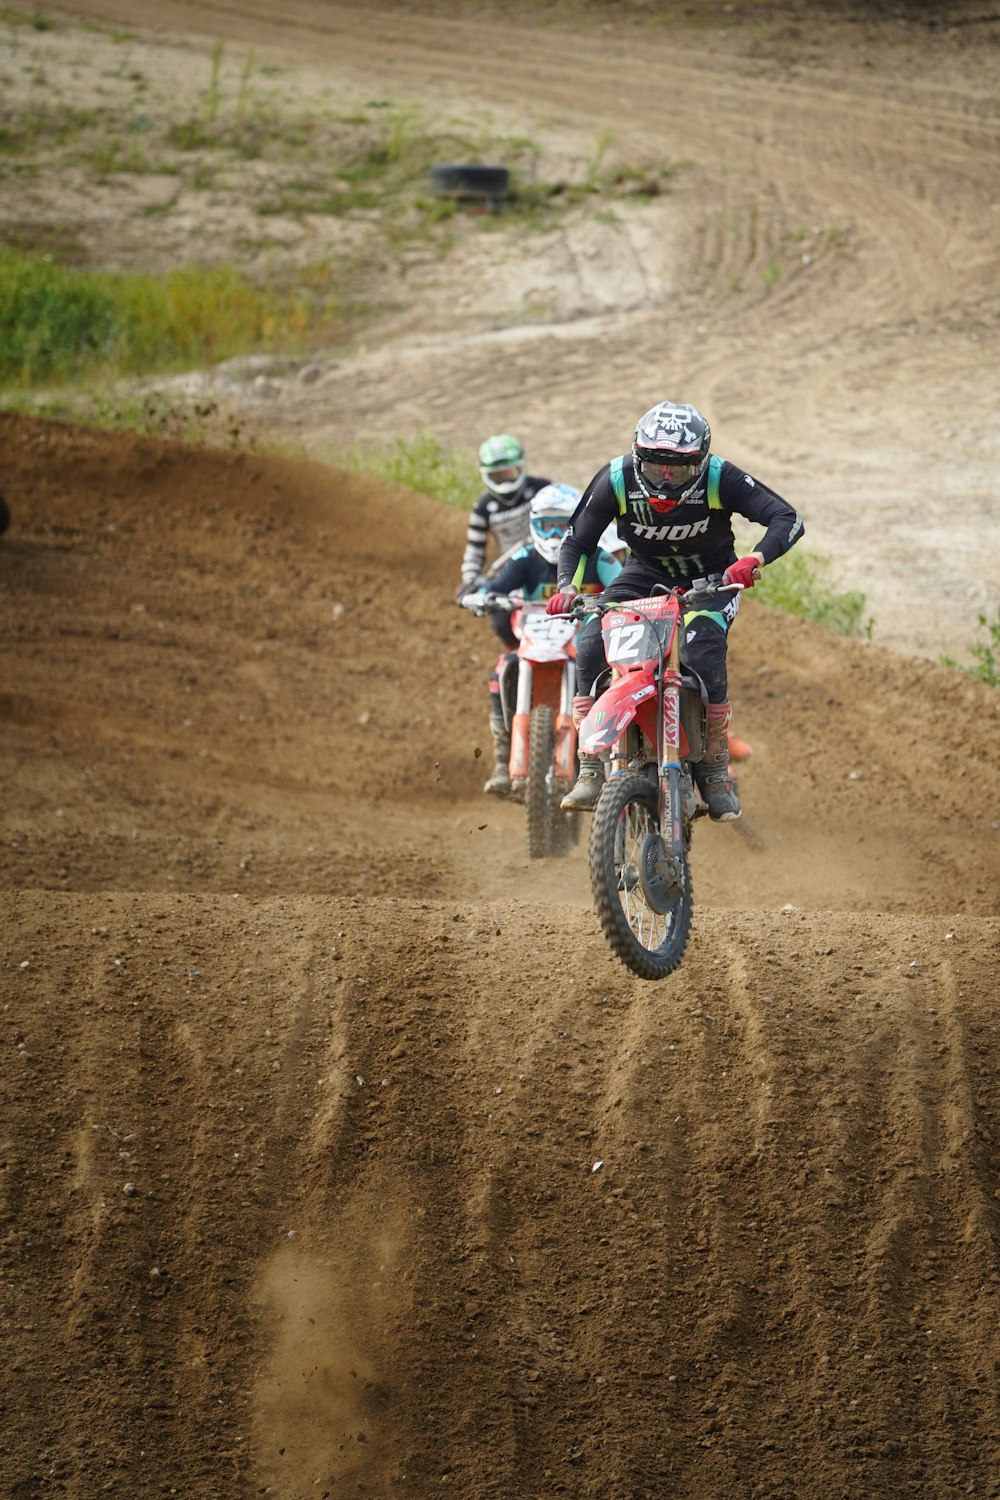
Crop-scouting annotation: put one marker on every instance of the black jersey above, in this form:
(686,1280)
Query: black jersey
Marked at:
(505,517)
(692,537)
(534,578)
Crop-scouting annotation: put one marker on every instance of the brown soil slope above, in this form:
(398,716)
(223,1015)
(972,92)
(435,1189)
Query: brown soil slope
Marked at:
(340,1157)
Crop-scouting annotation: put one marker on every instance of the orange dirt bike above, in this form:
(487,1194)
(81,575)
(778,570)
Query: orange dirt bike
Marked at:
(649,728)
(538,712)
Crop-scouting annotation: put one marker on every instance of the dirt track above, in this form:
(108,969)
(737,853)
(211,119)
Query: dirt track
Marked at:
(288,975)
(307,1072)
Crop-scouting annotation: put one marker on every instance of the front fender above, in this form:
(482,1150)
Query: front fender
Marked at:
(615,709)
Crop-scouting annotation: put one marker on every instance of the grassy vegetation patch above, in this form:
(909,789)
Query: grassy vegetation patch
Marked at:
(800,584)
(42,124)
(985,652)
(58,323)
(419,464)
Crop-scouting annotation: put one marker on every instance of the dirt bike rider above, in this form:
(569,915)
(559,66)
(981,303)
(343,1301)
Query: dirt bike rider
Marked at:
(531,572)
(502,513)
(674,500)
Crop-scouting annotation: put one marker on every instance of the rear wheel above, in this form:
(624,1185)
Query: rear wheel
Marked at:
(643,904)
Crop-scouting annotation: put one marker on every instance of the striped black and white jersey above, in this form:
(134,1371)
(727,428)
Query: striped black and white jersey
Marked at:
(502,517)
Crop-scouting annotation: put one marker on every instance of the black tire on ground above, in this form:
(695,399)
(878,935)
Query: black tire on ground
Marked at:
(648,943)
(4,515)
(468,180)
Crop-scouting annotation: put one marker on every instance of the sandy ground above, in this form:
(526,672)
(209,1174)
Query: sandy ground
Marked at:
(338,1154)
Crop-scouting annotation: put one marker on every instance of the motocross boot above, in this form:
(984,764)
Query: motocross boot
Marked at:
(583,796)
(498,782)
(712,772)
(588,787)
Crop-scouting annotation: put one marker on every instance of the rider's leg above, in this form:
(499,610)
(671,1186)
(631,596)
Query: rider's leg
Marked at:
(498,782)
(584,794)
(712,774)
(590,663)
(704,649)
(500,621)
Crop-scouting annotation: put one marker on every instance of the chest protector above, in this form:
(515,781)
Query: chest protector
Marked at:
(617,476)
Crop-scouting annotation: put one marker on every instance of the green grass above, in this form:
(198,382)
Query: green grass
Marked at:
(57,323)
(799,584)
(985,652)
(420,464)
(26,130)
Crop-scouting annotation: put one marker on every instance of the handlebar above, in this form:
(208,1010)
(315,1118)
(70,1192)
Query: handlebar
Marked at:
(482,602)
(585,604)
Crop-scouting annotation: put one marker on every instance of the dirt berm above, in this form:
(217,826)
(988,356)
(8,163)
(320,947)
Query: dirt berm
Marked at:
(340,1157)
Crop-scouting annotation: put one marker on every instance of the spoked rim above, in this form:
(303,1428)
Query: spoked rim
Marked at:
(649,942)
(651,929)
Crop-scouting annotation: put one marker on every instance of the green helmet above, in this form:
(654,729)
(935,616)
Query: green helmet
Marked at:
(501,463)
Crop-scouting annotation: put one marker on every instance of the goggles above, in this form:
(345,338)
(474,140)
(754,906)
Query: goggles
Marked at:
(549,525)
(674,473)
(504,474)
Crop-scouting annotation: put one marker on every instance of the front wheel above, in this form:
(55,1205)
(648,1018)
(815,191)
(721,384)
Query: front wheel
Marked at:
(645,917)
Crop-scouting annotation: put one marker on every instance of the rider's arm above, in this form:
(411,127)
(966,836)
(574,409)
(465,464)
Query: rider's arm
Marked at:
(596,510)
(740,492)
(514,573)
(475,541)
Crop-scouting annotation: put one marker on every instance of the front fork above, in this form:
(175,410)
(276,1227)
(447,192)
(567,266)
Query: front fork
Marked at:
(564,754)
(520,727)
(671,802)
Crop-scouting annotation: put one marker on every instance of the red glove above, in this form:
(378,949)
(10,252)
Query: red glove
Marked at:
(559,604)
(745,570)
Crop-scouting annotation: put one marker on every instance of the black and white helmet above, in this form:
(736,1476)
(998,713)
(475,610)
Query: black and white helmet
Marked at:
(671,451)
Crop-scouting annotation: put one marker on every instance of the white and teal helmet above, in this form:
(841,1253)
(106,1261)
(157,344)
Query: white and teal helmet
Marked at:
(501,463)
(551,512)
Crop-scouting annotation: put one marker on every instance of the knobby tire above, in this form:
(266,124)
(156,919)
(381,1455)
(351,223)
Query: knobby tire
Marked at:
(537,809)
(649,944)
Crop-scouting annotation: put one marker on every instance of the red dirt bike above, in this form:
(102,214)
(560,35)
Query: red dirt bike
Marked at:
(539,715)
(649,727)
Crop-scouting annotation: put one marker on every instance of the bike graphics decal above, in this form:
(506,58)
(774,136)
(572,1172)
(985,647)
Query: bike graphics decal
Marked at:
(671,724)
(623,642)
